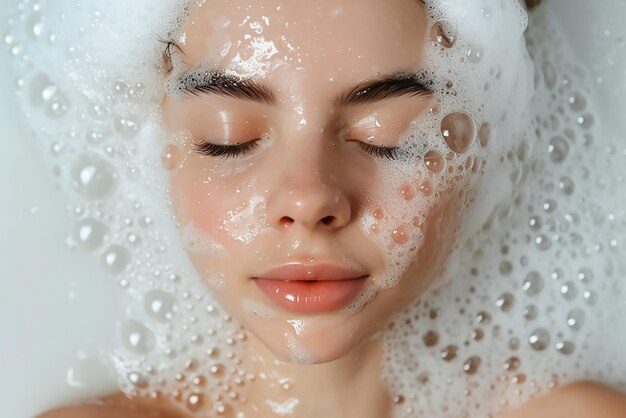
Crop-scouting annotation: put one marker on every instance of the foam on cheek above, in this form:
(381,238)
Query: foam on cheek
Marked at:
(516,284)
(199,242)
(537,271)
(446,150)
(245,222)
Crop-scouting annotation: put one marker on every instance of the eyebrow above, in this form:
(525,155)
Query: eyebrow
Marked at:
(196,83)
(219,83)
(389,87)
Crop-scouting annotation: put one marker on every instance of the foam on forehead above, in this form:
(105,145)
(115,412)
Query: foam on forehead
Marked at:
(530,282)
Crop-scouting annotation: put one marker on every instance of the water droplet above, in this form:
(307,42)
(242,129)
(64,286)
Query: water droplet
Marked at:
(458,131)
(535,223)
(512,364)
(379,213)
(195,401)
(401,234)
(443,33)
(505,302)
(558,149)
(539,339)
(478,334)
(486,133)
(475,54)
(483,318)
(426,188)
(48,95)
(449,353)
(95,135)
(159,305)
(120,89)
(590,297)
(566,185)
(519,379)
(41,89)
(146,221)
(93,177)
(569,290)
(133,239)
(576,319)
(99,111)
(585,275)
(169,157)
(35,25)
(531,312)
(543,242)
(434,161)
(577,102)
(565,347)
(127,125)
(549,206)
(137,90)
(89,234)
(408,192)
(471,365)
(216,369)
(431,338)
(137,379)
(136,337)
(533,283)
(115,259)
(586,121)
(199,380)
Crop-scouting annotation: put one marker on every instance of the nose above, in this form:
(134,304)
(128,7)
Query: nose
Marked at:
(308,193)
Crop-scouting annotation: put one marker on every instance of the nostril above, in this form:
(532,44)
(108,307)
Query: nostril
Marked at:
(286,221)
(328,220)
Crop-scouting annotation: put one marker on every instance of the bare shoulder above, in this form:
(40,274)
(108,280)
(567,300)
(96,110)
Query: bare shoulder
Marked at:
(118,406)
(578,400)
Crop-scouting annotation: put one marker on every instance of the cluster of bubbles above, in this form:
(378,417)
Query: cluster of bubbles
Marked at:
(539,281)
(446,152)
(98,124)
(537,268)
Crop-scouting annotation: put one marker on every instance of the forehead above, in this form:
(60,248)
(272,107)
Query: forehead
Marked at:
(350,39)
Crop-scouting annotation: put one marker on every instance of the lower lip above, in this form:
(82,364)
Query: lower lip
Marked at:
(311,296)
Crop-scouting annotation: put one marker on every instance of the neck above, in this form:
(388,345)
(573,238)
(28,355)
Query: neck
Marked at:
(348,387)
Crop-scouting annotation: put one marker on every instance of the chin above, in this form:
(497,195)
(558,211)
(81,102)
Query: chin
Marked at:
(310,339)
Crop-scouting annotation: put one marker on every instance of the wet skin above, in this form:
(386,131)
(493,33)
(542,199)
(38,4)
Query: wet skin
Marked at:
(580,400)
(298,217)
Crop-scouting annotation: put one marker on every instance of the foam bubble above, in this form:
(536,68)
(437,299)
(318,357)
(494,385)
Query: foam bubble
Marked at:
(537,264)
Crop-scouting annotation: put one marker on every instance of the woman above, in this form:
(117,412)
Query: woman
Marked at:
(310,202)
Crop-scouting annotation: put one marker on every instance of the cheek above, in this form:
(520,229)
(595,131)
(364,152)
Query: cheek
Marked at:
(411,218)
(216,212)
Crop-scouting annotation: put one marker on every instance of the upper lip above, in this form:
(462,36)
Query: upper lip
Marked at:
(311,272)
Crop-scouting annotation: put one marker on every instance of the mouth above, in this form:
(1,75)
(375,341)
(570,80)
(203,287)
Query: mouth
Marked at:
(311,288)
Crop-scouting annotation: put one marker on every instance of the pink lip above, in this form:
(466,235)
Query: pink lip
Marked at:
(311,288)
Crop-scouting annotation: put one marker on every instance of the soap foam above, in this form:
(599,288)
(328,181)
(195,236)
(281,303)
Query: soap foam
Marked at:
(537,271)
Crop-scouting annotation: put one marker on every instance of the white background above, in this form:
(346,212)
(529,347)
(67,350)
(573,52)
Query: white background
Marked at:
(56,304)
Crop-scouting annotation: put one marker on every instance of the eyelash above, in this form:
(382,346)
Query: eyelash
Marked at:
(225,151)
(233,151)
(390,153)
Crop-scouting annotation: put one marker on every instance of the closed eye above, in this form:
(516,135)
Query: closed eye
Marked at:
(390,153)
(225,151)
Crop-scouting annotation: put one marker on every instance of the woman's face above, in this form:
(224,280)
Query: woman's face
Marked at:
(298,198)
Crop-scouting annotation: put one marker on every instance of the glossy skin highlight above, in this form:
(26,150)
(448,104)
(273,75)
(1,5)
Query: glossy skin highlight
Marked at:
(304,192)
